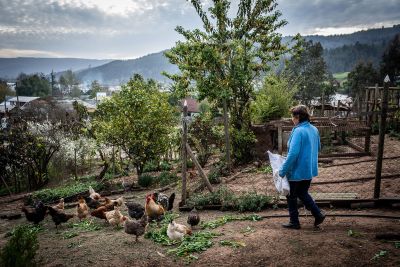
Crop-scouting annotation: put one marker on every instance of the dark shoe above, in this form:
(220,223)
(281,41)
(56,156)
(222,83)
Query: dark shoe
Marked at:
(319,219)
(291,226)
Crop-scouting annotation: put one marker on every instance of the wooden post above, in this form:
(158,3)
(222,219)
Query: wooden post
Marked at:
(200,170)
(280,140)
(227,143)
(323,104)
(376,96)
(184,152)
(382,129)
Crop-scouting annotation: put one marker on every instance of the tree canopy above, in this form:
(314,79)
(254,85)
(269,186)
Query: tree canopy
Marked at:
(139,119)
(33,85)
(391,60)
(361,76)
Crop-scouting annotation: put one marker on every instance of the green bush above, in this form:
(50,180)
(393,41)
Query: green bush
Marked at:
(273,100)
(145,180)
(243,142)
(54,194)
(150,166)
(252,202)
(166,178)
(165,166)
(21,249)
(214,176)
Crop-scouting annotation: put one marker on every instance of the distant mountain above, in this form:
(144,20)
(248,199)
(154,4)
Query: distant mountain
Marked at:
(10,68)
(119,71)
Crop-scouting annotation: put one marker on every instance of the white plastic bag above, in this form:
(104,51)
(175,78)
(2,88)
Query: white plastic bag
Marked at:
(281,183)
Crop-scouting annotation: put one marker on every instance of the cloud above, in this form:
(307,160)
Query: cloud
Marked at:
(132,28)
(9,53)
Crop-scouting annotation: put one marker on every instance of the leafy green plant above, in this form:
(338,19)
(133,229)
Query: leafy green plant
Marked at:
(69,234)
(252,202)
(233,244)
(150,166)
(243,141)
(54,194)
(159,234)
(379,255)
(353,233)
(21,249)
(165,166)
(166,178)
(229,218)
(214,176)
(145,180)
(265,169)
(85,225)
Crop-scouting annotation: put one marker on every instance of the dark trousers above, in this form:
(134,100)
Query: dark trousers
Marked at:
(299,189)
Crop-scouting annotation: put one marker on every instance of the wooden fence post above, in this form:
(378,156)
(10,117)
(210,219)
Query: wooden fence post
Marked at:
(382,129)
(227,141)
(200,170)
(184,152)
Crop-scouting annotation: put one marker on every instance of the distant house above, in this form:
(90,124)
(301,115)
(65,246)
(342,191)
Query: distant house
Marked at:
(12,103)
(193,106)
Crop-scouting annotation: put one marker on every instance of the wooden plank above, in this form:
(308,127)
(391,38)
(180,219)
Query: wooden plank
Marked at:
(199,169)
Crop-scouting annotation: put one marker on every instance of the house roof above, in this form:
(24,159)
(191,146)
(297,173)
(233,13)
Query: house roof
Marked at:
(24,99)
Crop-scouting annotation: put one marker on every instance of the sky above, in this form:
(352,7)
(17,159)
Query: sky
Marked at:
(125,29)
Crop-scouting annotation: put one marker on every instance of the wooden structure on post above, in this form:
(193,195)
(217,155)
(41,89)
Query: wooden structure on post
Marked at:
(185,151)
(382,129)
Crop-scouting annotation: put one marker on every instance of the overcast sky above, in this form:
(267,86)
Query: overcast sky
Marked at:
(114,29)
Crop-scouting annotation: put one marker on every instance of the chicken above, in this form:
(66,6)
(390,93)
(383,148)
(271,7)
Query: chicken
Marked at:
(126,185)
(153,210)
(82,209)
(164,200)
(115,217)
(136,228)
(135,210)
(176,231)
(100,213)
(118,202)
(109,204)
(93,194)
(193,218)
(93,204)
(37,214)
(58,216)
(60,205)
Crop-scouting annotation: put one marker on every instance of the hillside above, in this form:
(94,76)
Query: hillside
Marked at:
(10,68)
(119,71)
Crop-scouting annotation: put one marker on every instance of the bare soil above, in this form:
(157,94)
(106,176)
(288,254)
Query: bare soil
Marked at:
(267,244)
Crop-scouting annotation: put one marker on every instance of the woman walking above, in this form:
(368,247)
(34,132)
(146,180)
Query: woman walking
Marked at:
(301,166)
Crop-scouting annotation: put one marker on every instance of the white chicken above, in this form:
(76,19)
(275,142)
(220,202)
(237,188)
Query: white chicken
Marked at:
(93,194)
(177,231)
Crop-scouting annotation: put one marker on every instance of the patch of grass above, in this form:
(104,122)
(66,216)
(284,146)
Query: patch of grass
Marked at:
(233,244)
(145,180)
(54,194)
(265,169)
(225,197)
(69,234)
(85,225)
(353,233)
(229,218)
(379,255)
(166,178)
(247,230)
(21,249)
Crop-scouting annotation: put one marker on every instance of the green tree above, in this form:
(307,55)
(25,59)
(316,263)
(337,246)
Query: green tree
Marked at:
(308,71)
(139,119)
(33,85)
(391,61)
(361,76)
(273,100)
(69,83)
(95,87)
(5,90)
(222,62)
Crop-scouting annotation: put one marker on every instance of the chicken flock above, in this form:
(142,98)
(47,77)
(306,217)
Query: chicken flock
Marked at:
(155,206)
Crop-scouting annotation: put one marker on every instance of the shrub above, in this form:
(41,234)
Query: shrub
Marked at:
(165,166)
(165,178)
(21,249)
(214,176)
(145,180)
(150,166)
(252,202)
(273,100)
(243,142)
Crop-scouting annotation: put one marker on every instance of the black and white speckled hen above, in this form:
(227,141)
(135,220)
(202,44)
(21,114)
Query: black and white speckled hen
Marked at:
(37,214)
(193,218)
(135,210)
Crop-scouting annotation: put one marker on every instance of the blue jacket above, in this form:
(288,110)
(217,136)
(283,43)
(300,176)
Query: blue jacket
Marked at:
(302,159)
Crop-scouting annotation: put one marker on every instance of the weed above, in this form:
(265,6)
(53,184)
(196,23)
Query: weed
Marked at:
(150,166)
(229,218)
(85,225)
(145,180)
(69,234)
(233,244)
(379,255)
(166,178)
(265,169)
(353,233)
(21,249)
(247,230)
